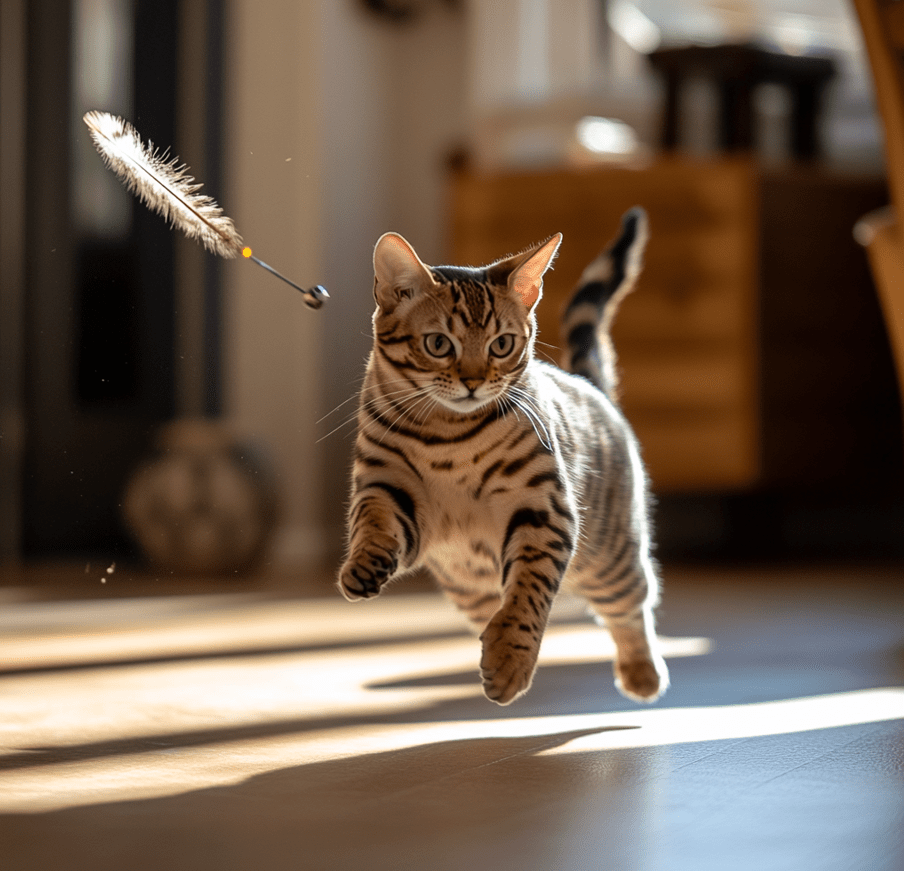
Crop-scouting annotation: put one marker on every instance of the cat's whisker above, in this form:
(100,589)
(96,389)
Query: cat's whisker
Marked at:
(425,412)
(523,400)
(386,398)
(340,405)
(372,402)
(405,410)
(552,359)
(415,409)
(358,380)
(538,426)
(429,402)
(336,429)
(510,406)
(529,404)
(387,410)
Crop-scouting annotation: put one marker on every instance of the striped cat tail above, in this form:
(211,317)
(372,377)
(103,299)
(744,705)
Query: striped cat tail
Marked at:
(589,314)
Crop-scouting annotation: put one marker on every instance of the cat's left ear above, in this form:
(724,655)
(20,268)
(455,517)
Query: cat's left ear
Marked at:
(398,272)
(527,270)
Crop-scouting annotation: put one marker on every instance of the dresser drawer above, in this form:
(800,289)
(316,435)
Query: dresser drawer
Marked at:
(698,379)
(702,451)
(686,338)
(753,351)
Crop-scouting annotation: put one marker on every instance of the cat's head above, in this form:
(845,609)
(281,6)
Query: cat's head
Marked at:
(461,336)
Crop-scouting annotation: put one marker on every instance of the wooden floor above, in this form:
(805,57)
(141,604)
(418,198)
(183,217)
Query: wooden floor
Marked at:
(244,727)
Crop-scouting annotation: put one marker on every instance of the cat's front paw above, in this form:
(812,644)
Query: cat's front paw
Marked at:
(366,571)
(509,660)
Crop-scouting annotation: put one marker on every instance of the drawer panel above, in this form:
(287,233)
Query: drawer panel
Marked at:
(690,381)
(709,452)
(687,337)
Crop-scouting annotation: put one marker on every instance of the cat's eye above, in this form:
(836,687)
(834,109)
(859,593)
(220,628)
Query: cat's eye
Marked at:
(502,346)
(438,345)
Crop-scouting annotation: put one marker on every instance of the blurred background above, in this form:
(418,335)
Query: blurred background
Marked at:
(158,404)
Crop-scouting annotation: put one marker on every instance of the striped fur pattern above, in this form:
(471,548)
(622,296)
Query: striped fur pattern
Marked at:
(508,478)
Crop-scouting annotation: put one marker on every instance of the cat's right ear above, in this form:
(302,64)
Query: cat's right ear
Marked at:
(398,272)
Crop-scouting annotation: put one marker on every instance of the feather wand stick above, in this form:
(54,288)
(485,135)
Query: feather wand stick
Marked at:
(165,186)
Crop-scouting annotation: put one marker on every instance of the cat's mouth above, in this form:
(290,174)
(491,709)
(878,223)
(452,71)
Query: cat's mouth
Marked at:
(467,403)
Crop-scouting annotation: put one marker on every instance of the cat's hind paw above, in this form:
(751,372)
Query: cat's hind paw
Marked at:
(642,680)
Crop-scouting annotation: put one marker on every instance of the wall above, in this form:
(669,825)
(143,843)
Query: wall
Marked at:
(393,109)
(366,111)
(273,190)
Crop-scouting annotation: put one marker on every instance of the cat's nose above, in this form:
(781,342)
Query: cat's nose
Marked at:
(472,383)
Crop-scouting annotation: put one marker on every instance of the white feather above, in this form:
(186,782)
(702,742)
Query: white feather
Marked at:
(163,184)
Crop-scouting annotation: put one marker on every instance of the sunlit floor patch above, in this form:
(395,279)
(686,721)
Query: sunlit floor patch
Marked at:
(66,709)
(38,635)
(172,771)
(339,681)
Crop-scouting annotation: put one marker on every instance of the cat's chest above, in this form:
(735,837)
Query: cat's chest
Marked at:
(457,492)
(468,497)
(458,523)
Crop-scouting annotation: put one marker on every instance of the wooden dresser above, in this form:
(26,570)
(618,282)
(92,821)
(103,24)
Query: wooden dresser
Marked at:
(707,342)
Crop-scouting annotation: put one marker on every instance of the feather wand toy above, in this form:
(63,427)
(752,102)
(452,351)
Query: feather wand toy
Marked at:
(165,186)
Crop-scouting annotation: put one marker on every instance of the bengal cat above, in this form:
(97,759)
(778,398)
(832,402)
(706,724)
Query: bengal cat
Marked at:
(507,477)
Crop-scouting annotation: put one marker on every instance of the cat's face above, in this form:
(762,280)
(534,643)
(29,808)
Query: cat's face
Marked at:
(453,336)
(464,342)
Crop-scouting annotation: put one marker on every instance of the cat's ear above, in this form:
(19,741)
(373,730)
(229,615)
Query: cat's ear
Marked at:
(526,270)
(398,271)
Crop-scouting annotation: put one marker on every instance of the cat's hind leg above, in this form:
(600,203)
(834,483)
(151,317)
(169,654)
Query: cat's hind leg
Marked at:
(640,671)
(624,604)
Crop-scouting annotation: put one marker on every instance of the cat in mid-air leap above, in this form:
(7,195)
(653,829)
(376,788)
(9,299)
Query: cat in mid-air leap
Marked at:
(507,477)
